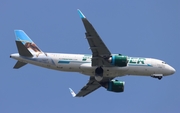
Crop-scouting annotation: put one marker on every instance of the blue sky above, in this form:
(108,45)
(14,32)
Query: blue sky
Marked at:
(146,28)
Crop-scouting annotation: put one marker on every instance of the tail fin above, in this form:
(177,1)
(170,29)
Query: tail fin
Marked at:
(26,47)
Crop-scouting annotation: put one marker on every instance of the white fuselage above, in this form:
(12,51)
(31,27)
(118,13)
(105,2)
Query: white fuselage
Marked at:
(82,63)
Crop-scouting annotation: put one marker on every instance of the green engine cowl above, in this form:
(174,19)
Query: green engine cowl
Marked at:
(116,86)
(119,60)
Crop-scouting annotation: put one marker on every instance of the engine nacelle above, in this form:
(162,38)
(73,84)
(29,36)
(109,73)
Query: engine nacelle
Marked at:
(118,60)
(116,86)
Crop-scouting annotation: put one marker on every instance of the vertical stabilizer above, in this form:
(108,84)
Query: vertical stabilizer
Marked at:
(23,51)
(25,45)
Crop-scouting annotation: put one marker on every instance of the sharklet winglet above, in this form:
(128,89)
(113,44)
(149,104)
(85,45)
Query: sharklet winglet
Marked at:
(81,14)
(72,92)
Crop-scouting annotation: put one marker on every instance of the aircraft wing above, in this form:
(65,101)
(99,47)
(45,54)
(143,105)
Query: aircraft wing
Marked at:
(91,86)
(97,46)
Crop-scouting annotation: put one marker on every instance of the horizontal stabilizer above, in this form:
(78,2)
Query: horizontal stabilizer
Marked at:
(23,51)
(19,65)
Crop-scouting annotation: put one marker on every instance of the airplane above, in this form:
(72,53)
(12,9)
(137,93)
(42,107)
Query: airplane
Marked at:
(101,66)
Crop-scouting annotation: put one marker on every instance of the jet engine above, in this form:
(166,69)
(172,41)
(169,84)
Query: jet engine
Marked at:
(99,73)
(118,60)
(116,86)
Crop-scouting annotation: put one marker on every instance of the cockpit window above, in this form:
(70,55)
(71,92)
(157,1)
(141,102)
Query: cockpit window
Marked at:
(164,62)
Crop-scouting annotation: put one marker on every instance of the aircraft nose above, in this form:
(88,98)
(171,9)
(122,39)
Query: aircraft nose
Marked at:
(172,70)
